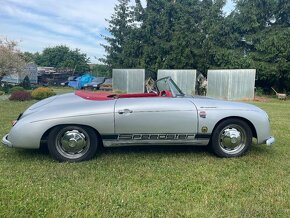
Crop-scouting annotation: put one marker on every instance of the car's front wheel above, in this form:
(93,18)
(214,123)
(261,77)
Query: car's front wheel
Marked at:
(72,143)
(231,138)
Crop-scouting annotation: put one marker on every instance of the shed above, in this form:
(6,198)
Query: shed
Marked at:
(129,80)
(29,70)
(232,84)
(185,79)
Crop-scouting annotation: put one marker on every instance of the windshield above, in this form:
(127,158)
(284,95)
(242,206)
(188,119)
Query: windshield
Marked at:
(168,84)
(108,81)
(98,79)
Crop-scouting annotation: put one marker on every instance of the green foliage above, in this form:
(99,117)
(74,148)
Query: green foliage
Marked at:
(5,87)
(266,37)
(101,70)
(42,93)
(2,93)
(60,57)
(26,83)
(259,91)
(186,34)
(20,96)
(15,89)
(121,39)
(30,57)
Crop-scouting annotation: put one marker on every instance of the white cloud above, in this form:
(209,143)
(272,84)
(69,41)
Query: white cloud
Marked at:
(76,23)
(35,40)
(39,24)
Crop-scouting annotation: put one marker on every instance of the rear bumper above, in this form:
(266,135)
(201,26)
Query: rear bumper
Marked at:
(6,142)
(270,141)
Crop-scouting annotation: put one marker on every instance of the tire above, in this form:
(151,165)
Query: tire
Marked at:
(231,138)
(72,143)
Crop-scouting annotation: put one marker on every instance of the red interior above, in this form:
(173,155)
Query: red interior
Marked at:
(102,96)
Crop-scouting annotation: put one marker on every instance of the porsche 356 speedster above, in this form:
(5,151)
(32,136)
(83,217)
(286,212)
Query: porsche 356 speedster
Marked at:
(75,125)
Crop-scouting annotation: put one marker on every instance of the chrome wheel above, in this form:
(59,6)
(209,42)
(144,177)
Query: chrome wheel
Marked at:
(232,139)
(73,143)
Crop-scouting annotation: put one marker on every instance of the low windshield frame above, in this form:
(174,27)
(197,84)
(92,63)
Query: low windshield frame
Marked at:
(172,87)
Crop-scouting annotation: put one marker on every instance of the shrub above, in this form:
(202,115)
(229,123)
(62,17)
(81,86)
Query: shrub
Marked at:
(42,93)
(26,83)
(20,96)
(2,93)
(5,87)
(15,89)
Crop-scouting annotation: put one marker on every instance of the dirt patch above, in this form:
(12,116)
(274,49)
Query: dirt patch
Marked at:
(261,99)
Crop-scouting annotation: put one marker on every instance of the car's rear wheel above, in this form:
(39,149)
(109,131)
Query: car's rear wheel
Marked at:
(72,143)
(231,138)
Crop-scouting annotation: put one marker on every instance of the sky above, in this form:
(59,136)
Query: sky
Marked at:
(38,24)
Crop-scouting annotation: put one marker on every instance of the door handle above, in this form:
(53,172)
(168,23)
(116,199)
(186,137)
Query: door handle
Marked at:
(125,111)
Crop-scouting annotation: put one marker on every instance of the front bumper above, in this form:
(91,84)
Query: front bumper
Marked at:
(6,142)
(270,141)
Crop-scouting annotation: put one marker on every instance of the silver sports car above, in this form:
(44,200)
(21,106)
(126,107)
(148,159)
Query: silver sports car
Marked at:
(75,125)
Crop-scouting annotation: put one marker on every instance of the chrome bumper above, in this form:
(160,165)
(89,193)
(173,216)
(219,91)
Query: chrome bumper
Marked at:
(270,141)
(6,142)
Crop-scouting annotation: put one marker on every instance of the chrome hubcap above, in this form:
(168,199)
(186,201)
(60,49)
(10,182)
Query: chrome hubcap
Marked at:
(72,143)
(232,139)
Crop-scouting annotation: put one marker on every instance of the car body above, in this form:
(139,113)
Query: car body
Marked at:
(74,125)
(69,79)
(95,83)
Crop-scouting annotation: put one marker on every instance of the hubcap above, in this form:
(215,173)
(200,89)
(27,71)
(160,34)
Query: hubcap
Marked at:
(72,143)
(232,139)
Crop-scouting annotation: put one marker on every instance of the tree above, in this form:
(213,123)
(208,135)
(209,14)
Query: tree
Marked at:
(101,70)
(283,13)
(182,34)
(263,26)
(158,27)
(63,57)
(26,83)
(119,28)
(29,56)
(164,34)
(271,57)
(11,60)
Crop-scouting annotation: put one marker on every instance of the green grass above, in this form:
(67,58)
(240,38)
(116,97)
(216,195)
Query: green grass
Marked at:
(62,90)
(149,182)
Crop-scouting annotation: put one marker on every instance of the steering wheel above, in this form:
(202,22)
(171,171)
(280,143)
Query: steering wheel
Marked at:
(163,93)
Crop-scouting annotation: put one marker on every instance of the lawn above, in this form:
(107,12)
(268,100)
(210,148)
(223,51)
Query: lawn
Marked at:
(62,90)
(149,182)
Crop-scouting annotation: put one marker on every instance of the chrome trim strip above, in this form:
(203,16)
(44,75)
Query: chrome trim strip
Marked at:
(6,142)
(131,142)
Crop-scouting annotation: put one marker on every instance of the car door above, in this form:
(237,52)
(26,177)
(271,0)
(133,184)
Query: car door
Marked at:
(155,115)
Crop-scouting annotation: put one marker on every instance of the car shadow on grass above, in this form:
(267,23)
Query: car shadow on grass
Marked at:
(156,150)
(126,150)
(197,151)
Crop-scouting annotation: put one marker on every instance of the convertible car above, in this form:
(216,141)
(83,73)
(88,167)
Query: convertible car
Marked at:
(73,126)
